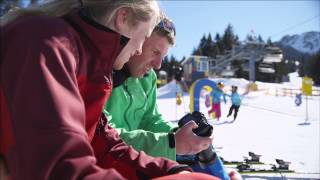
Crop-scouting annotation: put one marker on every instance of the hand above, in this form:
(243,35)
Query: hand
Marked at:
(234,175)
(184,172)
(188,143)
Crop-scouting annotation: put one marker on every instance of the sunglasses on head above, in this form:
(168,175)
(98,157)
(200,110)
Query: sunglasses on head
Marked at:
(168,26)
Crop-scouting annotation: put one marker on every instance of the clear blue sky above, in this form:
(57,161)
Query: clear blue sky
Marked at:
(272,19)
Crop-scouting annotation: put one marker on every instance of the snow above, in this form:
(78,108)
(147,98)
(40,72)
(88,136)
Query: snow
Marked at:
(308,42)
(269,125)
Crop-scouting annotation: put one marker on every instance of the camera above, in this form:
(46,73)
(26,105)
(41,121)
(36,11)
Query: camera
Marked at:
(204,129)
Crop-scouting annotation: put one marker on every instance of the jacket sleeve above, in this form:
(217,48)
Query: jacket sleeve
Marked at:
(47,112)
(110,150)
(224,97)
(153,144)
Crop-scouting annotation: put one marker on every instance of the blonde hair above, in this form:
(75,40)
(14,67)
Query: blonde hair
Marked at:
(101,10)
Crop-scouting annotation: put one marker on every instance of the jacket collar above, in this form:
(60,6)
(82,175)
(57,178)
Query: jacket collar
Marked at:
(120,76)
(103,43)
(101,31)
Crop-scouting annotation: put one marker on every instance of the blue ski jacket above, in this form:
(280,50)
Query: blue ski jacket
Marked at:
(235,99)
(216,96)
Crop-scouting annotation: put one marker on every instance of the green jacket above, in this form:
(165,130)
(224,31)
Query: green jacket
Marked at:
(133,111)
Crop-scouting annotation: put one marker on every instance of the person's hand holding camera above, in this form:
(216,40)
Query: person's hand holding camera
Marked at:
(188,143)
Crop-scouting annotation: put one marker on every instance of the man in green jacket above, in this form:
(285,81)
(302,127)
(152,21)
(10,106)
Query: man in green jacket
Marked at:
(132,109)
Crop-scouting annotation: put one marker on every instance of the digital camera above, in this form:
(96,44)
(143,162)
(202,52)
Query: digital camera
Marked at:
(204,129)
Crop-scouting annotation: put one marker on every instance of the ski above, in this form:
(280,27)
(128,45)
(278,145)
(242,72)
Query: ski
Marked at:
(252,164)
(281,167)
(253,159)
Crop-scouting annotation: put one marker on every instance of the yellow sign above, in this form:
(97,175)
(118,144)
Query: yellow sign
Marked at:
(307,86)
(179,100)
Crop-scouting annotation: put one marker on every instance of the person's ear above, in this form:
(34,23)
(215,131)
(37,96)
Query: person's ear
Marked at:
(121,21)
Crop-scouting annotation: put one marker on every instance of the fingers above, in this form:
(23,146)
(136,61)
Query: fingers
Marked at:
(190,125)
(189,143)
(184,172)
(234,175)
(204,139)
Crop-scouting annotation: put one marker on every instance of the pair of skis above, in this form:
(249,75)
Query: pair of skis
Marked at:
(253,165)
(252,159)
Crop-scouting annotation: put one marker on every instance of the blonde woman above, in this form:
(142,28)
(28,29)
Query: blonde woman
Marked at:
(55,76)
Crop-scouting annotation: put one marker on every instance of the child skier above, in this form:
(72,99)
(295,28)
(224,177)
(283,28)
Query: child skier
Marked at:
(236,102)
(216,99)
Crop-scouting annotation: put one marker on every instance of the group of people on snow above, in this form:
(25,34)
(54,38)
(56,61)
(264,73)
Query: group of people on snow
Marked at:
(217,94)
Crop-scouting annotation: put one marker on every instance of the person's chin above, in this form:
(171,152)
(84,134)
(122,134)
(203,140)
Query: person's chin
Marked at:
(116,68)
(137,75)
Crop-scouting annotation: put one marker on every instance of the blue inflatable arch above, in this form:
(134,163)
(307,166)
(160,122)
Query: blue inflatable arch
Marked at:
(195,90)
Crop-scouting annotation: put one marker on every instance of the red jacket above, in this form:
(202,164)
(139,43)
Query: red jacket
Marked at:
(55,77)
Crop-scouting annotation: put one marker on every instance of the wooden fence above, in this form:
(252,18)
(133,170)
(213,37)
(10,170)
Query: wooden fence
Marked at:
(282,91)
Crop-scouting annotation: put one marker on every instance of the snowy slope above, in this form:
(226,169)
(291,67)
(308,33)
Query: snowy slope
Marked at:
(267,125)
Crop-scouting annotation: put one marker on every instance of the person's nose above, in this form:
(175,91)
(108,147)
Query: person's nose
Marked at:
(156,63)
(138,52)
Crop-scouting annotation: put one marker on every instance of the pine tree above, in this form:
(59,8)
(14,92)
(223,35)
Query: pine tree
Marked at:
(260,39)
(216,50)
(208,49)
(312,68)
(219,45)
(173,63)
(196,52)
(203,42)
(250,37)
(165,64)
(200,50)
(269,42)
(237,42)
(228,38)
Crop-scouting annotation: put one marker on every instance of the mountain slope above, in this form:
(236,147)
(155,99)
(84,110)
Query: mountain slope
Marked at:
(308,42)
